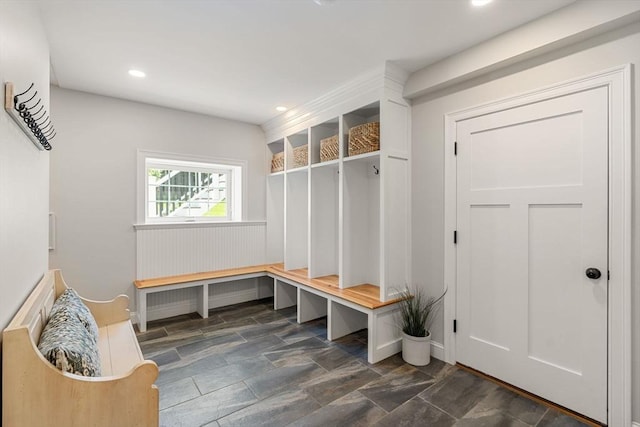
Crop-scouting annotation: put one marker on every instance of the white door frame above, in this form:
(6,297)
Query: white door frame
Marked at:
(618,82)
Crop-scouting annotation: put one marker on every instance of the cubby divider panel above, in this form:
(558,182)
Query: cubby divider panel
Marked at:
(310,306)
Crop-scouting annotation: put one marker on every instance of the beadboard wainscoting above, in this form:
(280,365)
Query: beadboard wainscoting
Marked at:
(171,249)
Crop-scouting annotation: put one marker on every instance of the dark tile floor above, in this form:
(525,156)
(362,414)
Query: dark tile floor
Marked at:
(248,365)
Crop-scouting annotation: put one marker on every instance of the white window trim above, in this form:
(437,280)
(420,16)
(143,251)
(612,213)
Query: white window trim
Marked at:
(239,203)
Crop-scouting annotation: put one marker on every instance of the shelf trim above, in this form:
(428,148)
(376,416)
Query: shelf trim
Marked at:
(298,170)
(329,163)
(362,156)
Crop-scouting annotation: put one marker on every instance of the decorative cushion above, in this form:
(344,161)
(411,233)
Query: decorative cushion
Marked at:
(70,299)
(70,339)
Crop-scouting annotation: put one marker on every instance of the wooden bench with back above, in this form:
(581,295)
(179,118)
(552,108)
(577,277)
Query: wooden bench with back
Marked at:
(36,393)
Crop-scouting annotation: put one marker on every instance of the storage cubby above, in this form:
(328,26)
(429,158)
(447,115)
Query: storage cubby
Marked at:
(367,114)
(324,220)
(320,132)
(274,148)
(293,142)
(296,219)
(348,218)
(361,222)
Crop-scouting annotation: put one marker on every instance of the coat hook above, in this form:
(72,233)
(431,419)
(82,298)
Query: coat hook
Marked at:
(35,105)
(23,105)
(44,128)
(33,119)
(377,171)
(20,94)
(40,118)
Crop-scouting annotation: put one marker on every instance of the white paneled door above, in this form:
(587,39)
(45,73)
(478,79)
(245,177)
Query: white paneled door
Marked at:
(531,242)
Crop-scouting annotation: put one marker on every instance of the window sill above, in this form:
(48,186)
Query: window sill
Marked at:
(194,224)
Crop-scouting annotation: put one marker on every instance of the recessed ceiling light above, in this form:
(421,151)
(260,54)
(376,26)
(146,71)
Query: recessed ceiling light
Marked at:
(480,2)
(137,73)
(281,108)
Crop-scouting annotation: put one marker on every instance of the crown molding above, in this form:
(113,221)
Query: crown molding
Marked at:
(363,89)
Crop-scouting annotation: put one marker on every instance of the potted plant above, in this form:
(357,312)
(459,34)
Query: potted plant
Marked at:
(416,315)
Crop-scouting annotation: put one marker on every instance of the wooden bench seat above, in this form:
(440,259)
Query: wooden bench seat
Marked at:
(195,277)
(36,393)
(366,295)
(119,349)
(347,310)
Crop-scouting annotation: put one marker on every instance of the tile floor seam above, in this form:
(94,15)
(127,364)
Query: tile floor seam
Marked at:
(254,392)
(542,417)
(314,399)
(198,387)
(440,409)
(184,401)
(517,419)
(236,410)
(376,405)
(245,407)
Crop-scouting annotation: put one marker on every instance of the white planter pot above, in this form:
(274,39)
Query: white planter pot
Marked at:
(416,350)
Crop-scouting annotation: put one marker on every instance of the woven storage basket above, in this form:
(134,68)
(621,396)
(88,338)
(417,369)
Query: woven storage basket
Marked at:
(364,138)
(277,162)
(329,148)
(301,156)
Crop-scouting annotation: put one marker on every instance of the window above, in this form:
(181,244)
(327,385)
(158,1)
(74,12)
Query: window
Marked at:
(179,190)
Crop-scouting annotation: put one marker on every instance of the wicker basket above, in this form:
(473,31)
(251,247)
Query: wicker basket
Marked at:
(329,148)
(300,156)
(277,162)
(364,138)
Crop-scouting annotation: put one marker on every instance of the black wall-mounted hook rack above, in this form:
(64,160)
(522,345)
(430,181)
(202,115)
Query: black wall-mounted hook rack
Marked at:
(23,108)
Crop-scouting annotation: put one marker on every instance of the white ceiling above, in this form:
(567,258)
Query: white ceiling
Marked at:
(239,59)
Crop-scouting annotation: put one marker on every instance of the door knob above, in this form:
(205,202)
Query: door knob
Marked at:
(593,273)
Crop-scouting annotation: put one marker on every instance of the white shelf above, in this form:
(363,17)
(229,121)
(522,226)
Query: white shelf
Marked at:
(298,170)
(372,154)
(327,164)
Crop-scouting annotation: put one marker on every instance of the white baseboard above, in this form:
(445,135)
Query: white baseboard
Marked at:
(437,350)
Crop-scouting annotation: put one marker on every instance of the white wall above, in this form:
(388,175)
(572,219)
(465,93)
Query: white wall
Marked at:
(93,179)
(24,170)
(605,51)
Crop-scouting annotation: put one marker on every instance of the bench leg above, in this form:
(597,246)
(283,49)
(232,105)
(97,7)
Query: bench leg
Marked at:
(141,299)
(203,301)
(383,337)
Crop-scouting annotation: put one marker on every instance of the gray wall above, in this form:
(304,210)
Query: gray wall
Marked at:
(24,170)
(93,179)
(619,47)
